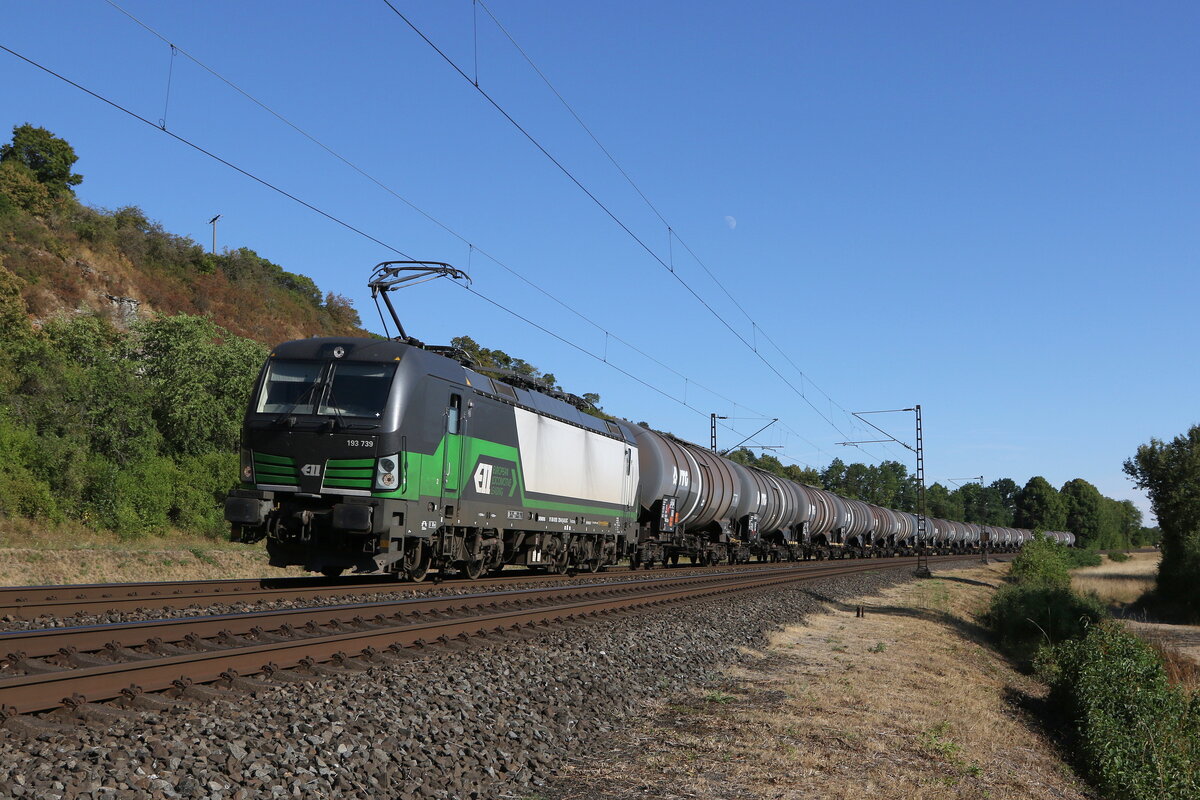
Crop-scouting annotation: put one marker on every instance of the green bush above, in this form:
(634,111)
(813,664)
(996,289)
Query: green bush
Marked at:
(1138,737)
(1041,562)
(1038,608)
(1025,618)
(1118,556)
(201,483)
(144,495)
(22,492)
(1081,557)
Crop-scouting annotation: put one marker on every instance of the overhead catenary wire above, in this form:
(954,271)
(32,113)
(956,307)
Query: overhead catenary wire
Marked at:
(246,173)
(208,153)
(617,220)
(471,247)
(672,234)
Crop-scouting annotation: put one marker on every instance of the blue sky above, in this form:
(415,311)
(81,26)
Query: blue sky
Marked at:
(989,209)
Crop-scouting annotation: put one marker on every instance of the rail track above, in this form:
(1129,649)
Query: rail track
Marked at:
(28,602)
(47,669)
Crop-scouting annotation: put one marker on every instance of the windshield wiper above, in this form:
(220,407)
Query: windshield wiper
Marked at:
(332,403)
(287,416)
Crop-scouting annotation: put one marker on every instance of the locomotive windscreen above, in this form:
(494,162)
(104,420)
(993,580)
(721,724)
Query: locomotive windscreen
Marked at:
(339,388)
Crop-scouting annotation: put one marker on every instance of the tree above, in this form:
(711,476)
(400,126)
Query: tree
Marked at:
(200,375)
(833,477)
(1084,511)
(1007,489)
(1170,474)
(49,158)
(19,189)
(1038,505)
(941,503)
(806,475)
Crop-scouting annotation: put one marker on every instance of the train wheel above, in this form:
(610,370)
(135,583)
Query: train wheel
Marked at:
(472,569)
(416,560)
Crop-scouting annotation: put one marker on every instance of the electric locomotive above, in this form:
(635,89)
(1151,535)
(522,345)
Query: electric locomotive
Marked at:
(379,455)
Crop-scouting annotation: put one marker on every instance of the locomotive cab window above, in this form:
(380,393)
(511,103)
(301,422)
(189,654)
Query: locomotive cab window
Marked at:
(358,390)
(345,389)
(290,387)
(453,413)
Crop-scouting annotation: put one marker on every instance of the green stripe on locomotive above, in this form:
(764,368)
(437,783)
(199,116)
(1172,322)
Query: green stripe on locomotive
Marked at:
(421,480)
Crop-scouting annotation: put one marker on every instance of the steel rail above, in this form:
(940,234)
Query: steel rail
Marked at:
(39,643)
(28,602)
(40,692)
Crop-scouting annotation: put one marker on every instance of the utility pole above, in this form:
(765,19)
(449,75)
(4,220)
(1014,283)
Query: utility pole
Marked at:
(984,533)
(922,570)
(712,430)
(213,222)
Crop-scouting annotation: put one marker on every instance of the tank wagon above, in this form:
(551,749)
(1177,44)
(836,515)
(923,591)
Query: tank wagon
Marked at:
(385,455)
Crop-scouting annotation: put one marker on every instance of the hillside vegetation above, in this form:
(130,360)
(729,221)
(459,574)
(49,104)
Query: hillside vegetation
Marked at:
(121,265)
(129,353)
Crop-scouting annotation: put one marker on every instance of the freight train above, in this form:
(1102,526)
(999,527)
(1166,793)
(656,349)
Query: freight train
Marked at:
(384,456)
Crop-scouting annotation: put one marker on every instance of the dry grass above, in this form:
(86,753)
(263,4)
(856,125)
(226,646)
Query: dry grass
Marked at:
(907,702)
(1179,646)
(1118,584)
(33,554)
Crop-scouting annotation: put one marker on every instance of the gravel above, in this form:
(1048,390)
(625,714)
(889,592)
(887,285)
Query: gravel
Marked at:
(491,721)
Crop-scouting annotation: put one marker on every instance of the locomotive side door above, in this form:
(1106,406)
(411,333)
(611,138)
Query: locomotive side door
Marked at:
(452,447)
(626,487)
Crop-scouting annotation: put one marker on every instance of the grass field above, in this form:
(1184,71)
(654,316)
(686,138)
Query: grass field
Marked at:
(1118,584)
(909,701)
(36,554)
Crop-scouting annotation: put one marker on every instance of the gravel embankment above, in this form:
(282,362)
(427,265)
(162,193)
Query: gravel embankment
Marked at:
(485,722)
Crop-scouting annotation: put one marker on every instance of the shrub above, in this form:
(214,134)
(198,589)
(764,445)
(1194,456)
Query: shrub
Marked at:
(1026,618)
(1138,737)
(201,483)
(1080,557)
(22,493)
(1041,562)
(1118,556)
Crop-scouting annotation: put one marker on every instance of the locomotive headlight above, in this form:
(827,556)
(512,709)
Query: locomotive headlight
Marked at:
(247,460)
(387,473)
